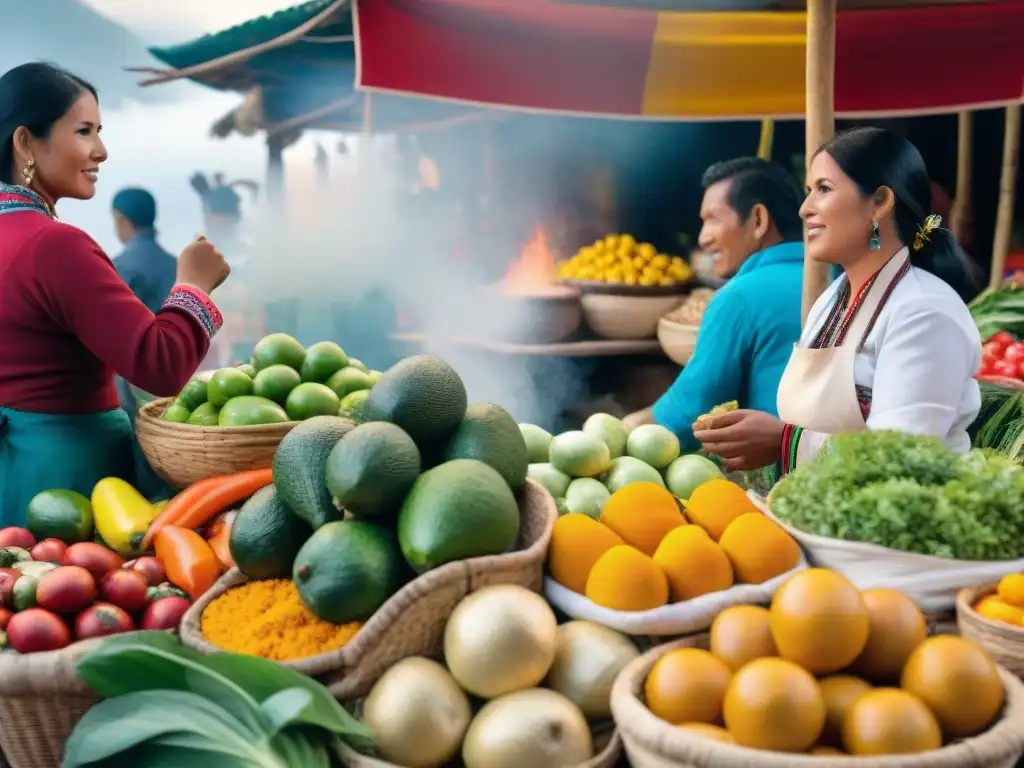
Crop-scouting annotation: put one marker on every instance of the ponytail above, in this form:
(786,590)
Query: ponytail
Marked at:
(940,254)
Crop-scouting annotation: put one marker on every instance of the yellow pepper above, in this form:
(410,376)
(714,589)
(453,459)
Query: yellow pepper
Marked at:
(121,514)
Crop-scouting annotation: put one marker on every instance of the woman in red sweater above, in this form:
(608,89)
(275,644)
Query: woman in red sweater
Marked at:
(68,323)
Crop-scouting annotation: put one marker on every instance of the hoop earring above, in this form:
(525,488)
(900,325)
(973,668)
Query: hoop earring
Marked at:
(29,173)
(874,244)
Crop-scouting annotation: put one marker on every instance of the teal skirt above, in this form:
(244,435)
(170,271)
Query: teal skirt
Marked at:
(40,451)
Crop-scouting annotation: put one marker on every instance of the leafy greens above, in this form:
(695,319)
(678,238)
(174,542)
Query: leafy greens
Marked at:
(908,492)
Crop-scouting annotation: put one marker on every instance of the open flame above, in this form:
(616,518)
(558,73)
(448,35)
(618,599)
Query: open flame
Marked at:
(536,268)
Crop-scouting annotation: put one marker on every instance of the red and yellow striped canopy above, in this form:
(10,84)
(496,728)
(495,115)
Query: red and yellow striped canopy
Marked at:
(585,59)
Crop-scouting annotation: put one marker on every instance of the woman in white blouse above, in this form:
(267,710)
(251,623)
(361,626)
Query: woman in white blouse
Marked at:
(890,344)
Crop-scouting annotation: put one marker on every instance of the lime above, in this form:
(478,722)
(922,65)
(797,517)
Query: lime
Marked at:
(609,431)
(556,481)
(627,470)
(248,370)
(686,473)
(311,399)
(204,416)
(278,349)
(227,383)
(654,445)
(586,496)
(323,360)
(352,403)
(177,413)
(193,395)
(359,365)
(578,454)
(349,380)
(275,383)
(249,410)
(538,443)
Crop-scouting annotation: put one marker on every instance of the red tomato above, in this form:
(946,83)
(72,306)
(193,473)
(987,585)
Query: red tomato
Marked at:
(987,367)
(991,349)
(1001,340)
(1014,352)
(1006,368)
(1020,370)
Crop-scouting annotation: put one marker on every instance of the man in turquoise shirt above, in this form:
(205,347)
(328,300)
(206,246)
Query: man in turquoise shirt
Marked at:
(752,226)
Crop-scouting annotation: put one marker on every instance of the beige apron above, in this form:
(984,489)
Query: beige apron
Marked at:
(818,391)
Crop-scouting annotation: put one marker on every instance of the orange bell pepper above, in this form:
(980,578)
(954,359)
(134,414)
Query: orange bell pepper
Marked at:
(189,561)
(219,538)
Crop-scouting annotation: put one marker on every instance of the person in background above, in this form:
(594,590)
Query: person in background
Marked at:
(751,225)
(891,343)
(68,322)
(148,269)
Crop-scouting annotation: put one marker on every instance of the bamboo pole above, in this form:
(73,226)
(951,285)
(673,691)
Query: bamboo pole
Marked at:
(820,119)
(964,170)
(1007,188)
(764,146)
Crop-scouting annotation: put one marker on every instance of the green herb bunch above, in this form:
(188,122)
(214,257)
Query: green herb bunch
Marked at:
(166,706)
(909,493)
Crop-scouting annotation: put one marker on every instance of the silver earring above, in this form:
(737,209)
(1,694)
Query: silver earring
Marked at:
(30,172)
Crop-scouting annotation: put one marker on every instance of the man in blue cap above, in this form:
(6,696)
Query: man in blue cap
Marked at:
(148,269)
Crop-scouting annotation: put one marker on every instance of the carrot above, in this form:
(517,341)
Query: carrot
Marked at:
(189,561)
(202,501)
(174,508)
(220,538)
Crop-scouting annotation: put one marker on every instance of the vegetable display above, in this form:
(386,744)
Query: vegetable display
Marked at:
(1002,356)
(908,493)
(999,310)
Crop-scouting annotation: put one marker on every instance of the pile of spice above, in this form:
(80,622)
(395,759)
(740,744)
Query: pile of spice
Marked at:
(268,619)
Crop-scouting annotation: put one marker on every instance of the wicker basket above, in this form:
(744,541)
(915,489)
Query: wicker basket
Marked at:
(1004,641)
(677,340)
(607,744)
(652,743)
(412,621)
(183,454)
(42,698)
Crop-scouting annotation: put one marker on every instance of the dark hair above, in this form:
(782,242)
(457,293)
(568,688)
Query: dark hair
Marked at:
(874,158)
(36,96)
(760,181)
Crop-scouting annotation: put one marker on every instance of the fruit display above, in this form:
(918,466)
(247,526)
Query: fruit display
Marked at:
(354,511)
(828,669)
(1002,356)
(1006,604)
(691,311)
(645,550)
(582,468)
(621,259)
(284,381)
(908,493)
(533,686)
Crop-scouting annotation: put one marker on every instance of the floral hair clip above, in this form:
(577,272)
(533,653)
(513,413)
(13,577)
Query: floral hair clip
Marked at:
(925,230)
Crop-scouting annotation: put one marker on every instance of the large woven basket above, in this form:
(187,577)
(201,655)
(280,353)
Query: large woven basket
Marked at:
(607,746)
(652,743)
(183,454)
(412,621)
(42,698)
(1004,641)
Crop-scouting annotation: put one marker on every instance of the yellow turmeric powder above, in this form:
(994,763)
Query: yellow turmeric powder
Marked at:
(268,619)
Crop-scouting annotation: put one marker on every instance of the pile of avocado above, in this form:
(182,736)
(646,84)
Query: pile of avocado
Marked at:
(356,510)
(282,382)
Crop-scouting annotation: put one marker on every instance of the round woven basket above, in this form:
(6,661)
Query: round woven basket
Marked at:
(183,454)
(607,746)
(42,698)
(677,340)
(412,621)
(617,316)
(652,743)
(1004,641)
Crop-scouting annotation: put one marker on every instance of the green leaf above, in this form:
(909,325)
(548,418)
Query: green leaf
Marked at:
(263,678)
(302,747)
(152,755)
(286,707)
(154,660)
(116,725)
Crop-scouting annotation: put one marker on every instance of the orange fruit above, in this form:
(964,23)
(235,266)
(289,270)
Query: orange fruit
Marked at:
(958,681)
(642,514)
(742,633)
(896,628)
(888,721)
(716,503)
(693,563)
(625,579)
(687,685)
(1011,589)
(776,705)
(839,692)
(577,542)
(716,732)
(819,621)
(995,608)
(758,548)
